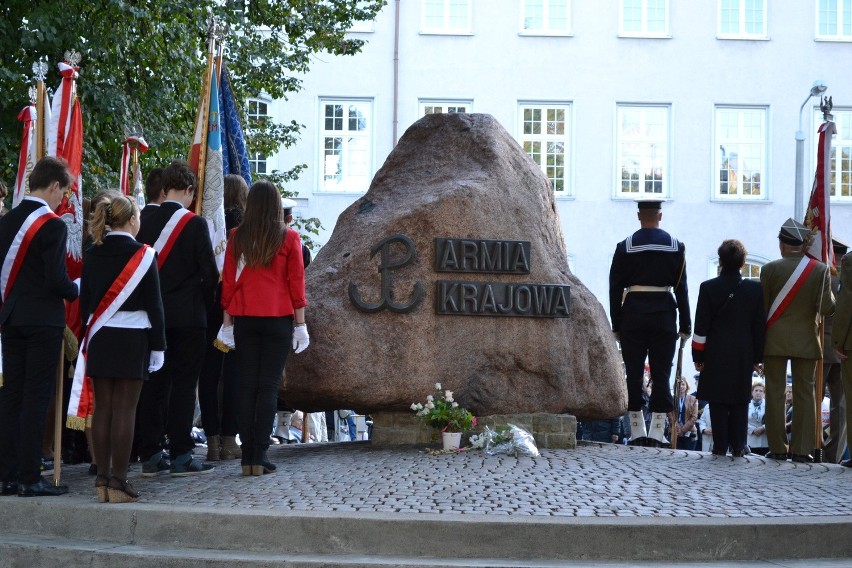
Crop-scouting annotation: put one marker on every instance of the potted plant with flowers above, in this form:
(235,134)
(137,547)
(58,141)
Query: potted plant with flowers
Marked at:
(445,415)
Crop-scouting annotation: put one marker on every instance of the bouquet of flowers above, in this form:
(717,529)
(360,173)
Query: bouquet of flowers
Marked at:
(443,413)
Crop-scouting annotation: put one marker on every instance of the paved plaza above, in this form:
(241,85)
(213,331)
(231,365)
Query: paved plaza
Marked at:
(597,504)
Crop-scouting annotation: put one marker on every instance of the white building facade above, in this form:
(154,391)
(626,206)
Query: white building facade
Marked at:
(694,101)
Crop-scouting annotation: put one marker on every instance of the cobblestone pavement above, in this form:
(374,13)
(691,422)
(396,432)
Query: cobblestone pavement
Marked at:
(590,481)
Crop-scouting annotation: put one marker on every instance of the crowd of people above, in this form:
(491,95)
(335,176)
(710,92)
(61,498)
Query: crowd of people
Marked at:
(150,299)
(746,335)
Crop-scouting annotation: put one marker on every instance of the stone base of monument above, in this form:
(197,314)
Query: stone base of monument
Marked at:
(554,431)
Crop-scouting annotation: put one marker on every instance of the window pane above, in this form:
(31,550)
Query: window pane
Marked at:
(544,137)
(741,143)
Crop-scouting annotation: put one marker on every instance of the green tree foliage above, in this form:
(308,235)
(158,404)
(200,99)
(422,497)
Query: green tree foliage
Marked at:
(142,62)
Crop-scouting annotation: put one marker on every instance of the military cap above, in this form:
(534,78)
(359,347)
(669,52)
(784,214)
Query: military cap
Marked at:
(649,202)
(793,233)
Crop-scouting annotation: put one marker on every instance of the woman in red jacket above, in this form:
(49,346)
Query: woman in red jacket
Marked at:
(263,292)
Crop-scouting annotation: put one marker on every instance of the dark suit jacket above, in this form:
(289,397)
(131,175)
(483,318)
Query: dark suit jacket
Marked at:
(102,265)
(735,335)
(148,210)
(42,283)
(189,275)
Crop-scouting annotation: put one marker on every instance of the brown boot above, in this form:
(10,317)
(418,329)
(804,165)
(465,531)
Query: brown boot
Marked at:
(230,449)
(214,448)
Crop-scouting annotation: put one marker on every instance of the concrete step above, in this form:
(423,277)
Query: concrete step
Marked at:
(100,532)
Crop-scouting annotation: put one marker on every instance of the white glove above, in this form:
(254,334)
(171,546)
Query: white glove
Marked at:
(685,336)
(155,363)
(76,283)
(226,336)
(300,338)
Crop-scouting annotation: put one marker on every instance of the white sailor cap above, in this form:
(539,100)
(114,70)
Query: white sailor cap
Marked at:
(649,202)
(793,233)
(287,205)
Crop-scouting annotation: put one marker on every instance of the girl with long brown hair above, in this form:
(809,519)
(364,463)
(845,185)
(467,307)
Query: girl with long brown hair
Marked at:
(263,291)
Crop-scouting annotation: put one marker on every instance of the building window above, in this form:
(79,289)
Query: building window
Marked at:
(545,134)
(834,20)
(442,106)
(644,18)
(346,142)
(643,151)
(741,156)
(258,114)
(742,19)
(546,17)
(841,154)
(446,17)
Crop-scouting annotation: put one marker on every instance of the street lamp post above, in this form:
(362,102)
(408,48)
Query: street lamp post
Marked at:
(817,89)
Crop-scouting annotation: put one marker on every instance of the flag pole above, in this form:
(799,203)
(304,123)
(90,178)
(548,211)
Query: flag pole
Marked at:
(40,71)
(826,254)
(203,112)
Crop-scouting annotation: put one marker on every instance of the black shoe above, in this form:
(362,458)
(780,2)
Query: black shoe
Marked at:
(774,456)
(799,458)
(741,453)
(846,463)
(9,488)
(41,488)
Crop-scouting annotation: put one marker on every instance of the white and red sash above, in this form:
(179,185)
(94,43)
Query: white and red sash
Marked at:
(791,288)
(80,405)
(170,234)
(18,251)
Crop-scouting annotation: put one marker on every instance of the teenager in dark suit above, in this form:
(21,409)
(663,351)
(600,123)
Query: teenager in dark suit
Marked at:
(728,346)
(266,302)
(154,193)
(188,277)
(33,322)
(129,345)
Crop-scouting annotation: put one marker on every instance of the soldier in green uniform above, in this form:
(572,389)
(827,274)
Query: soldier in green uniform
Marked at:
(796,289)
(841,341)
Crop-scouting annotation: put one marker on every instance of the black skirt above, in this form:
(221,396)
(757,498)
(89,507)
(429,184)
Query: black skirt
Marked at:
(118,353)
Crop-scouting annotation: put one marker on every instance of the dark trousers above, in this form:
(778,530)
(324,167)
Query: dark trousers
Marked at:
(30,362)
(263,344)
(730,423)
(219,413)
(652,336)
(167,403)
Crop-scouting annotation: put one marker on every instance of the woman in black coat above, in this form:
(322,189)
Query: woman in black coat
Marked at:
(728,346)
(125,341)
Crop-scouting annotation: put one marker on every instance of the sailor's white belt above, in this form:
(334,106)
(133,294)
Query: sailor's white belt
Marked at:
(639,288)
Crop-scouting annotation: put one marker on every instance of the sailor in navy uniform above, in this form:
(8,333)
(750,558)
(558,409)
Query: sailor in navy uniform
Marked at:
(646,268)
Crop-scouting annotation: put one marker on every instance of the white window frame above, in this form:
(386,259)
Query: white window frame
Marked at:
(741,33)
(446,28)
(447,106)
(546,29)
(736,142)
(544,138)
(841,139)
(643,32)
(658,158)
(844,18)
(354,176)
(256,159)
(751,261)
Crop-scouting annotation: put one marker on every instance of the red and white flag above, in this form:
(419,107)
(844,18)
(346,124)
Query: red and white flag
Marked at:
(65,140)
(818,215)
(29,152)
(126,152)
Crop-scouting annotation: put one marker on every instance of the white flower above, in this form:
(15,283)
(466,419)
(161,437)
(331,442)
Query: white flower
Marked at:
(437,386)
(448,396)
(430,398)
(455,405)
(429,405)
(413,406)
(419,406)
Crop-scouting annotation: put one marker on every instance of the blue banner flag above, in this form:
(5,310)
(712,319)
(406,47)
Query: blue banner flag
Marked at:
(234,154)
